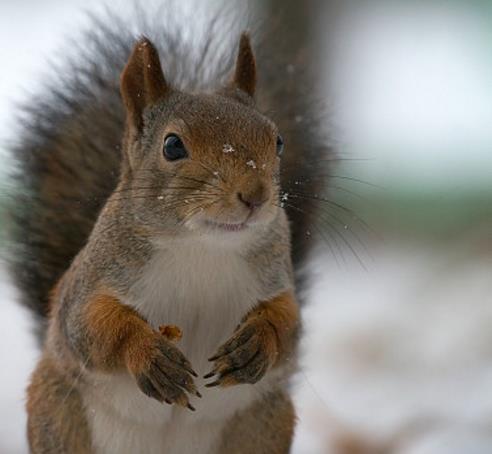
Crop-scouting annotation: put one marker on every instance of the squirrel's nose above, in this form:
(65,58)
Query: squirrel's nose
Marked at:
(255,198)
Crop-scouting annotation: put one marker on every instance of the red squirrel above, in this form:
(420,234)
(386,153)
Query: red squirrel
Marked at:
(163,272)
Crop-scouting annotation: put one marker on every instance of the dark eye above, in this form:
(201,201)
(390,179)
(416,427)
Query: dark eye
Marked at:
(174,148)
(280,145)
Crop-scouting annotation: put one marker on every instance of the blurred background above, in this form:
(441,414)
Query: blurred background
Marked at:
(397,351)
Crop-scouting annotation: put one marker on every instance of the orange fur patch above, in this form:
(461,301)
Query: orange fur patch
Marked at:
(281,313)
(119,335)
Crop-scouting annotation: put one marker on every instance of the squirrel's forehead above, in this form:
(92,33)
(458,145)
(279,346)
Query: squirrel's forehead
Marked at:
(230,135)
(217,115)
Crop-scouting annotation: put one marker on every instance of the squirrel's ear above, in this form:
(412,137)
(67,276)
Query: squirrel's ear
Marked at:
(142,81)
(245,73)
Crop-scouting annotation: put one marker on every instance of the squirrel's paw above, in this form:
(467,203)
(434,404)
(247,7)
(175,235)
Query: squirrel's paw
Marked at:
(163,373)
(246,356)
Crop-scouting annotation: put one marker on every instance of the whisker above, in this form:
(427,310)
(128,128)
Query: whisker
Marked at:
(199,181)
(163,190)
(157,188)
(347,243)
(212,172)
(316,162)
(338,188)
(196,210)
(185,177)
(327,241)
(341,177)
(325,212)
(190,214)
(154,196)
(349,212)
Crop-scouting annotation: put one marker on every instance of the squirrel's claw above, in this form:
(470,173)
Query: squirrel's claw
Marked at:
(246,357)
(167,375)
(213,384)
(174,355)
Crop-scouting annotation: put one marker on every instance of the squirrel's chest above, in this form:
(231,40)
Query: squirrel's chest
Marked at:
(203,290)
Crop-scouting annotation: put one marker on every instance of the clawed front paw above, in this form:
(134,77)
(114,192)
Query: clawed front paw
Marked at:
(166,374)
(246,356)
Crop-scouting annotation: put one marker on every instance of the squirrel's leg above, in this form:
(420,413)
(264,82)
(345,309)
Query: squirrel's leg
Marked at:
(267,427)
(265,338)
(116,336)
(56,417)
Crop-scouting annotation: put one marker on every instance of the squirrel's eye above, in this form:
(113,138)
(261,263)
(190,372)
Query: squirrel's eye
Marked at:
(280,145)
(174,148)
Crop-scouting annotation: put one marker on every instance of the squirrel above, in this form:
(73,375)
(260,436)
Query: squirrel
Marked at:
(165,273)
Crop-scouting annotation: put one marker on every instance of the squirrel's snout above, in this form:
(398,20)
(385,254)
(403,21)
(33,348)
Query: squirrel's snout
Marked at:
(254,198)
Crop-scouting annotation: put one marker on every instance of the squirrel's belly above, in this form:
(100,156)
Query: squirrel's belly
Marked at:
(127,422)
(206,296)
(123,420)
(149,429)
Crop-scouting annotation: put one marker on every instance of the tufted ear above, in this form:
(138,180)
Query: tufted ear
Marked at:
(245,73)
(142,82)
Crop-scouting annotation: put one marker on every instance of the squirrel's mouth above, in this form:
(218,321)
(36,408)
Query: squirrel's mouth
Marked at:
(237,227)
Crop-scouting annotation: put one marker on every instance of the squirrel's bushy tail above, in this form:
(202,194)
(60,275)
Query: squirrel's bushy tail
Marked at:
(68,153)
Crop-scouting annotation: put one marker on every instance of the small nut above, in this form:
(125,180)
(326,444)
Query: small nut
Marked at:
(171,332)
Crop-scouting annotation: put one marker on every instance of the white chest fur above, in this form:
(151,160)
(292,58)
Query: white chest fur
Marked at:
(205,290)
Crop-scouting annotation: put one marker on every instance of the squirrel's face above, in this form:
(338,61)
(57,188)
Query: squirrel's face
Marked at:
(208,163)
(211,161)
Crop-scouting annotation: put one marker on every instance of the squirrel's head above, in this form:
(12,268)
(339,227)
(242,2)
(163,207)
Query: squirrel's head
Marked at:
(205,162)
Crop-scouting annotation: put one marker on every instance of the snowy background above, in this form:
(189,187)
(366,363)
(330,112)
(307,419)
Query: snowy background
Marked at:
(398,353)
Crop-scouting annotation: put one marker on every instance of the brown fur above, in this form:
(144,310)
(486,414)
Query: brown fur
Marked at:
(270,428)
(49,431)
